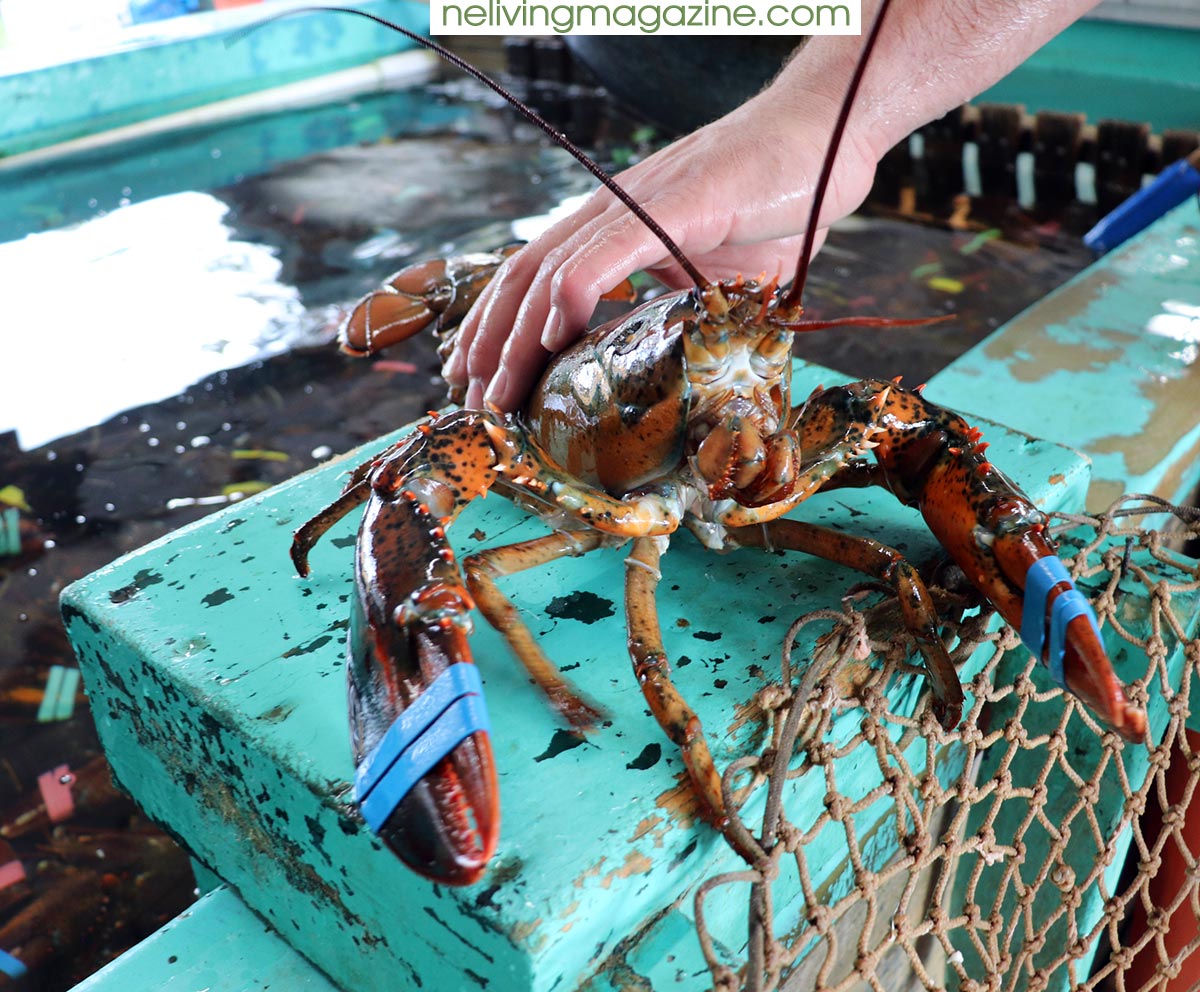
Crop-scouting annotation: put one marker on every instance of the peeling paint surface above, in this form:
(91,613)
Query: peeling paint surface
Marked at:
(219,690)
(1109,365)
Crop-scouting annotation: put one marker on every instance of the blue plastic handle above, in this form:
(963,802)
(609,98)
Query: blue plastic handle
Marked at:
(1173,185)
(11,967)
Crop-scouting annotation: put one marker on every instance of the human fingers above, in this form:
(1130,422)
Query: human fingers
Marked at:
(484,332)
(481,335)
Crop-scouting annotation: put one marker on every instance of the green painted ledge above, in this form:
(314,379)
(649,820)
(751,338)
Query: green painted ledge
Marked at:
(217,943)
(1111,71)
(58,103)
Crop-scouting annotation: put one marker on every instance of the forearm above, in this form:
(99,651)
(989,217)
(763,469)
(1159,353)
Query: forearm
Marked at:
(933,56)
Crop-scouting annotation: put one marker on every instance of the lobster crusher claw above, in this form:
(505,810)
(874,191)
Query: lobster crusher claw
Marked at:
(1050,605)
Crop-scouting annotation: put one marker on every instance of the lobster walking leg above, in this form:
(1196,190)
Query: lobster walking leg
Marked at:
(313,530)
(356,492)
(677,719)
(483,568)
(888,565)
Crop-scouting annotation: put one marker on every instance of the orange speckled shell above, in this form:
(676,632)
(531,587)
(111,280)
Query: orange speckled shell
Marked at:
(612,409)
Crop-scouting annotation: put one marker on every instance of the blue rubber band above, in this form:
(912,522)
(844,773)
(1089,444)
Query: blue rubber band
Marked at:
(1043,576)
(458,680)
(415,723)
(465,716)
(1069,605)
(10,966)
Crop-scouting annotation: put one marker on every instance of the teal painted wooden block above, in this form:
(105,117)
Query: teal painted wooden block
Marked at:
(217,943)
(216,681)
(1108,364)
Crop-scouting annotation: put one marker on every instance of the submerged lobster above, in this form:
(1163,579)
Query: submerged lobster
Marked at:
(678,414)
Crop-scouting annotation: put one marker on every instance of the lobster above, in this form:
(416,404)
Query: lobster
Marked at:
(678,414)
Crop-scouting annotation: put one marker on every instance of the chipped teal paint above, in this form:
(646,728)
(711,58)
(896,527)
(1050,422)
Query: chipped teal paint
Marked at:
(216,944)
(216,680)
(61,102)
(1093,367)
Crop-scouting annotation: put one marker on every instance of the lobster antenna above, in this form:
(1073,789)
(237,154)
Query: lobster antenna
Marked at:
(810,234)
(525,111)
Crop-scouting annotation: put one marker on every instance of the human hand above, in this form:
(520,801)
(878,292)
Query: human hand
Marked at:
(735,195)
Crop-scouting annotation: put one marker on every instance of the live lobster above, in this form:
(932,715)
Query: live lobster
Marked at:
(678,414)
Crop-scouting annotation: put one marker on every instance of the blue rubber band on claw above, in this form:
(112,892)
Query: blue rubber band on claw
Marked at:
(445,714)
(1043,576)
(1069,605)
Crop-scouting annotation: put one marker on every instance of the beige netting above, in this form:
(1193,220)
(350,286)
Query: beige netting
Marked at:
(1019,851)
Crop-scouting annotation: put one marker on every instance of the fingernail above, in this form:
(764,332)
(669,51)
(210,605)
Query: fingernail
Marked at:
(454,366)
(474,399)
(495,392)
(552,332)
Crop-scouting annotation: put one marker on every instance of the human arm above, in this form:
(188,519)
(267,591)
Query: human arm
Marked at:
(735,194)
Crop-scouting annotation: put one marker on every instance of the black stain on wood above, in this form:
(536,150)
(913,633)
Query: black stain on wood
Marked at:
(563,740)
(217,597)
(650,756)
(586,607)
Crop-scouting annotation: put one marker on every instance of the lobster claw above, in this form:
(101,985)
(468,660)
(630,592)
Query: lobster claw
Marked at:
(1059,628)
(408,303)
(426,779)
(438,292)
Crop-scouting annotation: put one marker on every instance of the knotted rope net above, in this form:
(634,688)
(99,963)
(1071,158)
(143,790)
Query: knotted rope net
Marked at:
(1023,850)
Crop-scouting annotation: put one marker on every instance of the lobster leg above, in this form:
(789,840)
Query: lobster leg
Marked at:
(677,719)
(356,492)
(312,531)
(888,565)
(483,568)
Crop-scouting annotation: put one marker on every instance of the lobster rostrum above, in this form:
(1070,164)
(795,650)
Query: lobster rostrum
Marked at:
(678,414)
